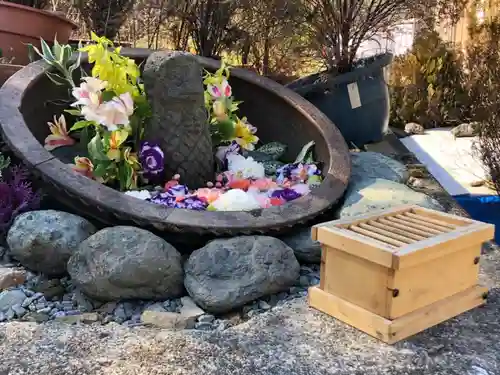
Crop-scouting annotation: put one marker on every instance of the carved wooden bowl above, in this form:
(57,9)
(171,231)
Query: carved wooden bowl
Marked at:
(27,103)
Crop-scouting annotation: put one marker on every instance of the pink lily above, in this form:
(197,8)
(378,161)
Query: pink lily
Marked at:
(220,90)
(59,134)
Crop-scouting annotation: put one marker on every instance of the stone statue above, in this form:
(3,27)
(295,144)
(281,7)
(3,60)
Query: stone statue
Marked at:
(174,87)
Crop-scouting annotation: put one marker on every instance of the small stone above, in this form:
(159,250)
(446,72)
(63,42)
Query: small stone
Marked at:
(166,320)
(55,291)
(36,317)
(466,130)
(45,310)
(9,298)
(224,324)
(108,319)
(478,183)
(247,308)
(10,277)
(119,314)
(19,310)
(69,319)
(206,318)
(304,281)
(314,281)
(413,128)
(252,313)
(263,305)
(204,326)
(83,303)
(156,307)
(190,308)
(417,183)
(107,308)
(295,290)
(40,305)
(90,317)
(137,317)
(304,247)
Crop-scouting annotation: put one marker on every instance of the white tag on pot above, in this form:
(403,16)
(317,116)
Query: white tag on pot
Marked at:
(353,91)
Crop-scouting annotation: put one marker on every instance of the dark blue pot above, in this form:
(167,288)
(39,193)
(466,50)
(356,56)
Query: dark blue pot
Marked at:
(357,102)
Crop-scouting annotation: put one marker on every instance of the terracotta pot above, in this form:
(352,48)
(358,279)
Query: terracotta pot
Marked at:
(6,70)
(20,25)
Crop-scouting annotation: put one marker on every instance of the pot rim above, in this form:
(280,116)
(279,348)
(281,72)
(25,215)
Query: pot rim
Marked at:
(101,197)
(309,84)
(38,11)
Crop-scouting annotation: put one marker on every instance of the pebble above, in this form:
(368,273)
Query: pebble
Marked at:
(204,326)
(69,304)
(252,313)
(263,305)
(45,310)
(206,318)
(156,307)
(19,310)
(304,281)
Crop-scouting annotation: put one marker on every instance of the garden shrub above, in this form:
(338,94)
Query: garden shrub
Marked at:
(483,88)
(427,84)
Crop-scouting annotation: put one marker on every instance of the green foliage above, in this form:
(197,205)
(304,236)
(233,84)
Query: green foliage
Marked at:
(59,57)
(4,163)
(427,84)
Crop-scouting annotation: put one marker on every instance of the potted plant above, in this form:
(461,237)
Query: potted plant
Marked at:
(351,92)
(24,22)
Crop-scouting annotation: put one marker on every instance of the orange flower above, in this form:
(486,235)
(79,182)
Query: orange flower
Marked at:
(210,195)
(83,166)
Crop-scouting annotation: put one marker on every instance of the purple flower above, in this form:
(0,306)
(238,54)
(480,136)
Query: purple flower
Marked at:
(177,191)
(286,194)
(191,203)
(152,160)
(16,196)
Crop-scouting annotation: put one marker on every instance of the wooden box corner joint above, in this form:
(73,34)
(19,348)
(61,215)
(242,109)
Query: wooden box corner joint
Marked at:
(396,273)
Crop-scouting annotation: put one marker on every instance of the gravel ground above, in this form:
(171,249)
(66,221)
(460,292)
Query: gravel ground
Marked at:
(291,339)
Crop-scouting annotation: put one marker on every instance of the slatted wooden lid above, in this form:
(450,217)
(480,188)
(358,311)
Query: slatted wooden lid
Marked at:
(399,232)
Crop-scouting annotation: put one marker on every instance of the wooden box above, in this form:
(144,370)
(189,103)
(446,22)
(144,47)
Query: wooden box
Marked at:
(398,272)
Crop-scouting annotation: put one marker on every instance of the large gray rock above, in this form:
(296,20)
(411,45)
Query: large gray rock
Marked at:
(43,241)
(306,250)
(379,194)
(174,86)
(228,273)
(369,165)
(126,263)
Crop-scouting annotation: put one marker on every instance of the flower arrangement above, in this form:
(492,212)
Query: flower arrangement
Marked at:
(110,108)
(16,193)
